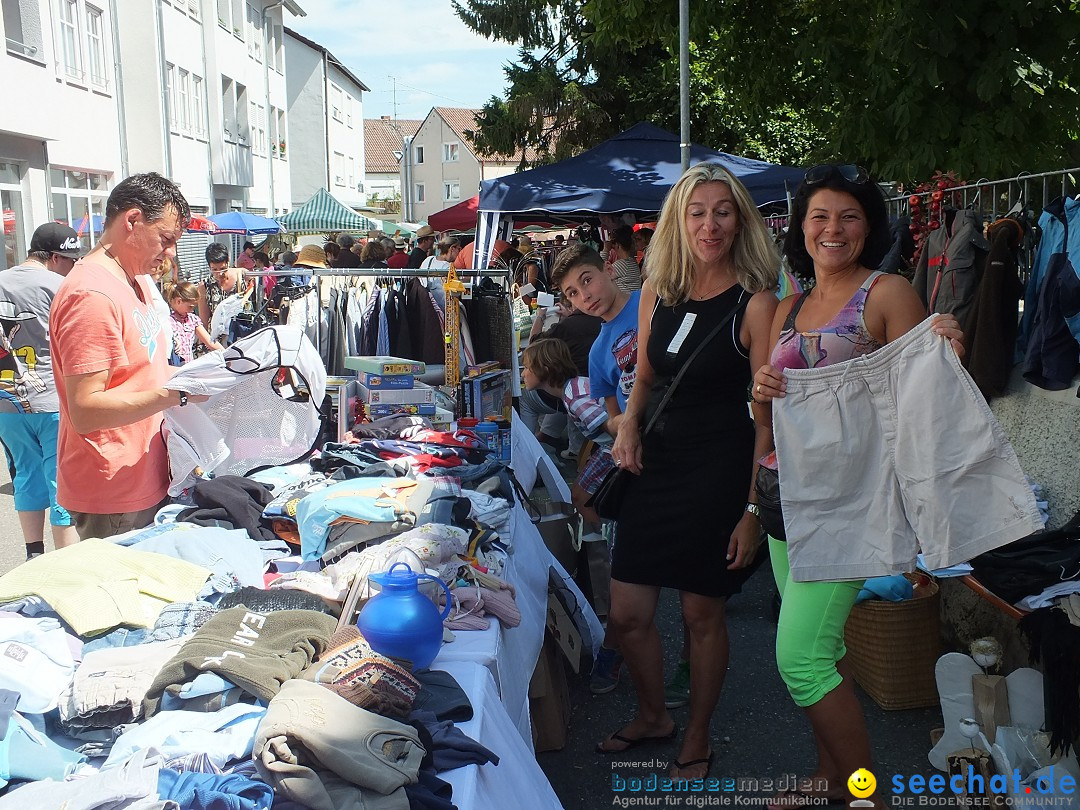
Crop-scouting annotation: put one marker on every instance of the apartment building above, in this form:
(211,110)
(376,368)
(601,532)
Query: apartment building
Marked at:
(194,89)
(384,146)
(326,114)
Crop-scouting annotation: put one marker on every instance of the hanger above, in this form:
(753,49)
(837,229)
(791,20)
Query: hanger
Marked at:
(1018,206)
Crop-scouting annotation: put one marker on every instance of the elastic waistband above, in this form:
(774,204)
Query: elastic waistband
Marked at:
(869,364)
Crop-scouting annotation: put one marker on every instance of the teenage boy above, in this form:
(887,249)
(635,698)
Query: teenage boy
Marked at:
(579,273)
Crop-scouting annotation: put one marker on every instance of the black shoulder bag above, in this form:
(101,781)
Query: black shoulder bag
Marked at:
(608,498)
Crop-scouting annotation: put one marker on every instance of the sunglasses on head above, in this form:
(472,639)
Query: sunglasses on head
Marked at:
(849,171)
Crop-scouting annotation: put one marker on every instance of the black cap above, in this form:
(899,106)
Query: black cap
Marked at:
(54,237)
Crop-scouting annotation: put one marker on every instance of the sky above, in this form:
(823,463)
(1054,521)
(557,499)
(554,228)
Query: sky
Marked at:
(436,60)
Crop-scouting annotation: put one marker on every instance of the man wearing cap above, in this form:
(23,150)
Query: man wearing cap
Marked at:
(399,259)
(425,241)
(110,364)
(29,408)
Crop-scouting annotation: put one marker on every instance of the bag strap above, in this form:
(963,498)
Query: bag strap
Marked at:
(693,355)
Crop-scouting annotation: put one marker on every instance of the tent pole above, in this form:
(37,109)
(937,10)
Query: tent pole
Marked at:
(684,83)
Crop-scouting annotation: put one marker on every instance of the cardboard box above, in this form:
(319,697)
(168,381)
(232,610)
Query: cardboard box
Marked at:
(488,395)
(549,699)
(561,627)
(382,364)
(392,409)
(392,381)
(417,395)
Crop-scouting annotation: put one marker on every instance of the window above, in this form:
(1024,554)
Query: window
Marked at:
(22,28)
(273,134)
(351,183)
(281,133)
(69,39)
(78,200)
(260,130)
(420,192)
(419,152)
(170,92)
(348,110)
(183,101)
(450,152)
(339,169)
(236,19)
(95,46)
(193,9)
(12,216)
(243,131)
(198,107)
(223,13)
(336,102)
(255,35)
(228,109)
(451,191)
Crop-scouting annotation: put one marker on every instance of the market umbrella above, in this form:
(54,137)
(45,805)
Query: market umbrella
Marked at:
(243,222)
(199,223)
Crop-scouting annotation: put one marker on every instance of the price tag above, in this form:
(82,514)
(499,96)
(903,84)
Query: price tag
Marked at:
(680,336)
(528,289)
(545,299)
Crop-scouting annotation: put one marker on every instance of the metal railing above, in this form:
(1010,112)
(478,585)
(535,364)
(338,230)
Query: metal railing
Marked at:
(996,198)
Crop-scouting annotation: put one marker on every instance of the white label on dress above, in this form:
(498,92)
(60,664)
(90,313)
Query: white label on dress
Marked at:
(684,330)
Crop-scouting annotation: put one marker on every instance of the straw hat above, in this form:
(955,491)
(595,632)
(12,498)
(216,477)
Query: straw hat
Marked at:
(424,230)
(311,256)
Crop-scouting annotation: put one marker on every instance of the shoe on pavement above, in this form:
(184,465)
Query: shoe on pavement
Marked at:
(605,673)
(677,690)
(569,455)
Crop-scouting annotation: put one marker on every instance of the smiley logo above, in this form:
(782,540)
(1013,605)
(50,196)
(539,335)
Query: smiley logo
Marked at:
(861,783)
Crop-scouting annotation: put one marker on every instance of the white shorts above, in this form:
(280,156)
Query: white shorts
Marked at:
(890,452)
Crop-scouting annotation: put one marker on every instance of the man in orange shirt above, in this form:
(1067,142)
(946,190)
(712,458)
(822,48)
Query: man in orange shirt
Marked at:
(110,361)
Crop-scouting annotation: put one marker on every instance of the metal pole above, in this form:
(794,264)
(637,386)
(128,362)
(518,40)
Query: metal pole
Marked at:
(684,82)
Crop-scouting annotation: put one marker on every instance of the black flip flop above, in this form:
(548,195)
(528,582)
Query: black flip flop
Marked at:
(706,761)
(634,742)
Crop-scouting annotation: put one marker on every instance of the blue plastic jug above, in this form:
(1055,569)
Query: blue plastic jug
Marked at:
(399,621)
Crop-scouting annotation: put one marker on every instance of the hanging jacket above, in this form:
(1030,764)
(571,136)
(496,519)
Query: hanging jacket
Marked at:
(425,326)
(948,273)
(990,332)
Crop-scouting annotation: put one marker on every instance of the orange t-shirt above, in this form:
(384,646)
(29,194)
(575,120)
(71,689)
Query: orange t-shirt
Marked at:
(98,323)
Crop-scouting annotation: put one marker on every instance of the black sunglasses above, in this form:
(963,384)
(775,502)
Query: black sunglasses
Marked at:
(849,171)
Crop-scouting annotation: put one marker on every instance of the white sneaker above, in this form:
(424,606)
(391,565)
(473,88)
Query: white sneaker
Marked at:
(569,455)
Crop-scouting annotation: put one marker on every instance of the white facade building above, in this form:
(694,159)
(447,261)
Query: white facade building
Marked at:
(326,115)
(193,89)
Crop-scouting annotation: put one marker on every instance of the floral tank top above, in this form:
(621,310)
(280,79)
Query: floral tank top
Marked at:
(845,337)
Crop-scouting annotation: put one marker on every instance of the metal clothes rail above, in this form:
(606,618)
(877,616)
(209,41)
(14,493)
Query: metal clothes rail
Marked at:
(995,198)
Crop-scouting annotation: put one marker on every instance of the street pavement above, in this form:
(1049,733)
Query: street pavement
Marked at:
(757,731)
(12,548)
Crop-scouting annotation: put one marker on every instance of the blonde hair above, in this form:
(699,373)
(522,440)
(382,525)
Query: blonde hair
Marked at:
(669,263)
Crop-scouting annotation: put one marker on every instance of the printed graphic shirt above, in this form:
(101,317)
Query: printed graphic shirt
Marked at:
(613,358)
(98,323)
(26,376)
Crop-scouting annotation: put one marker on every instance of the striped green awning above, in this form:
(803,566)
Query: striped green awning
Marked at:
(324,212)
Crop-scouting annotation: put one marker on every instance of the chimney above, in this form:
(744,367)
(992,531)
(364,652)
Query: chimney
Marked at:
(384,117)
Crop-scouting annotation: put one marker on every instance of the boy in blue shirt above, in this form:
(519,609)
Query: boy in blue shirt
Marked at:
(579,273)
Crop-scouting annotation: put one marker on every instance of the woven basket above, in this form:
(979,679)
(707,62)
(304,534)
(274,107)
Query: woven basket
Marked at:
(894,646)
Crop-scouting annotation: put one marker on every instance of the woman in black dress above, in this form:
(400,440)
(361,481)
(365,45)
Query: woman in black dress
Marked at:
(688,518)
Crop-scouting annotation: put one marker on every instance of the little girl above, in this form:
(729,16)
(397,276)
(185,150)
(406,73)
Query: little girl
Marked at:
(183,299)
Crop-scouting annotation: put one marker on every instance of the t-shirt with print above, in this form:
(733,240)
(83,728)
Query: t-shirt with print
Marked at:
(98,323)
(26,374)
(613,358)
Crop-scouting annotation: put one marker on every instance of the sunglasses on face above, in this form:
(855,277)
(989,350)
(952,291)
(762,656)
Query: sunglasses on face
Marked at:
(849,171)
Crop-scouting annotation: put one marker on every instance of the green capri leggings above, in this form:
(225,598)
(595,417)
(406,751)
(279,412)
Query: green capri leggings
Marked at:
(810,635)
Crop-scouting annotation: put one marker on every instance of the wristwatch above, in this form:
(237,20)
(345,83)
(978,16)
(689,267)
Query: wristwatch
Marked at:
(754,510)
(183,398)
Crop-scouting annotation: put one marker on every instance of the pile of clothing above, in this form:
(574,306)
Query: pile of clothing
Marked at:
(203,661)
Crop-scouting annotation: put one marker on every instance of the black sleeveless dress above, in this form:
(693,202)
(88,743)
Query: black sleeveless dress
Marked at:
(678,515)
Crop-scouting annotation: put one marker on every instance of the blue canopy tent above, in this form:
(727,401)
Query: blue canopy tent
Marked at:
(244,223)
(631,172)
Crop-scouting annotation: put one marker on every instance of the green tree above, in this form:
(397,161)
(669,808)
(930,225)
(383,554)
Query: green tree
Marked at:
(986,88)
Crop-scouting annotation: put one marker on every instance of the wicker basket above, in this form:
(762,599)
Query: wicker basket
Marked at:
(894,646)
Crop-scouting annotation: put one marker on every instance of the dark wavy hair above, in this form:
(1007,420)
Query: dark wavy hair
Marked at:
(868,195)
(150,193)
